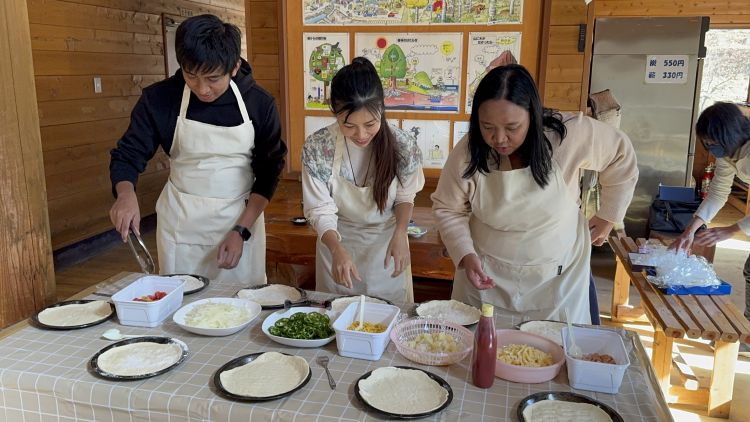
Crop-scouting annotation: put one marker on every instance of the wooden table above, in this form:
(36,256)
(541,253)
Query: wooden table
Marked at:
(712,318)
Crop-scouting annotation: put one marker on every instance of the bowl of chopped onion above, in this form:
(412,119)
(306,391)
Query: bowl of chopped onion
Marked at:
(216,316)
(431,341)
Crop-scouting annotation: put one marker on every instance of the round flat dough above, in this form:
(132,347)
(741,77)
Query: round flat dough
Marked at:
(269,374)
(139,358)
(75,314)
(402,391)
(564,411)
(191,283)
(339,304)
(551,330)
(449,310)
(274,294)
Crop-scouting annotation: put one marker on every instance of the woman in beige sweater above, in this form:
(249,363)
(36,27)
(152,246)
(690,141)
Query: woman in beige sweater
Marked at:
(507,200)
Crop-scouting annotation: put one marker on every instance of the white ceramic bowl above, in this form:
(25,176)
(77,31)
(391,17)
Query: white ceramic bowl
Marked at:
(252,308)
(295,342)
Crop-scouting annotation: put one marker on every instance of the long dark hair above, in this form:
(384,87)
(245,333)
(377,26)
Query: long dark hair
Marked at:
(355,87)
(514,83)
(724,124)
(204,44)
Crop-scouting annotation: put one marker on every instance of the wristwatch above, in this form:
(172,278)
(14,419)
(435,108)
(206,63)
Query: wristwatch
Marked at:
(243,231)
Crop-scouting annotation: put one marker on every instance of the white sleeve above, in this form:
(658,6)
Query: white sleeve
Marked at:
(320,210)
(413,183)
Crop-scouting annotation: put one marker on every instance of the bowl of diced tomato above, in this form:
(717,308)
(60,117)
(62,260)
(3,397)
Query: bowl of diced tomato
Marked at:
(148,301)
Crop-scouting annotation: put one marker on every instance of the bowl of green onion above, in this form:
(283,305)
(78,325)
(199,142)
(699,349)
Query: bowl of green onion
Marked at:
(300,327)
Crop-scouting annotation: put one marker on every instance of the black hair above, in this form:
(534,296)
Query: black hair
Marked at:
(724,124)
(513,83)
(205,44)
(355,87)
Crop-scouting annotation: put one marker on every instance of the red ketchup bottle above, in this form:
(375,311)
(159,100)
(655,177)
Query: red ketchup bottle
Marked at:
(484,355)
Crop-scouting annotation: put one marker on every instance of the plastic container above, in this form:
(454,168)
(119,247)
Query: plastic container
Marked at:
(484,355)
(596,376)
(359,344)
(407,330)
(148,314)
(524,374)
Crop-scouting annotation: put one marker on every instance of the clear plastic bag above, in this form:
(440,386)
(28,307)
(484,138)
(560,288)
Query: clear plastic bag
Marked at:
(679,269)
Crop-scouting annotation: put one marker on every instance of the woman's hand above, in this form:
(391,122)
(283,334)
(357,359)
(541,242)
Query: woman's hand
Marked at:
(398,248)
(343,268)
(230,251)
(710,237)
(473,267)
(682,242)
(599,229)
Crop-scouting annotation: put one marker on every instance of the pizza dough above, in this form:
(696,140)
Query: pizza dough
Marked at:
(449,310)
(75,314)
(269,374)
(274,294)
(191,283)
(564,411)
(139,358)
(551,330)
(402,391)
(340,303)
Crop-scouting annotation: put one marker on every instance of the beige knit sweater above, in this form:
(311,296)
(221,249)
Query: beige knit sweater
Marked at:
(588,145)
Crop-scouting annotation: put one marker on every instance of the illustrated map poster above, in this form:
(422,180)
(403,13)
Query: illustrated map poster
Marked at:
(420,71)
(485,50)
(410,12)
(324,55)
(433,138)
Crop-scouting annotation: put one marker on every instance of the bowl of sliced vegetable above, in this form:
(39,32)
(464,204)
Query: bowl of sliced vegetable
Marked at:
(300,327)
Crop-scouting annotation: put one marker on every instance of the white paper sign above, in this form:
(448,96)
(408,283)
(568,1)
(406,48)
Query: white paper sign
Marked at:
(666,69)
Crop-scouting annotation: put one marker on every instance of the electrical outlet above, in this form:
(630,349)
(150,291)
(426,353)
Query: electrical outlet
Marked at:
(97,85)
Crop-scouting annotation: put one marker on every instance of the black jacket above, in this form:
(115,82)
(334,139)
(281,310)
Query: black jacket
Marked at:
(154,117)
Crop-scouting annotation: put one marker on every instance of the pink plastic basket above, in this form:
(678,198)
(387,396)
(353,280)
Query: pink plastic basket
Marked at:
(408,330)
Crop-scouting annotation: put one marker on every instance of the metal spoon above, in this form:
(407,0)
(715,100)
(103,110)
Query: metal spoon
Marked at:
(323,361)
(114,334)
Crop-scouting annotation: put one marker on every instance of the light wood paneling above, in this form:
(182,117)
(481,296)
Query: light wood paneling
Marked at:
(564,68)
(80,63)
(61,136)
(28,281)
(568,12)
(562,96)
(263,14)
(63,38)
(563,40)
(75,15)
(50,88)
(265,41)
(86,110)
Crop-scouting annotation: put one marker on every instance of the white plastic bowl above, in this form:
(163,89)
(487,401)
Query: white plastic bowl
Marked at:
(252,308)
(360,344)
(596,376)
(148,314)
(295,342)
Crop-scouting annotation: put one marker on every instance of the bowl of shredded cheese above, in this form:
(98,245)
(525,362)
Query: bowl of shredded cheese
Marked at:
(526,357)
(217,316)
(431,341)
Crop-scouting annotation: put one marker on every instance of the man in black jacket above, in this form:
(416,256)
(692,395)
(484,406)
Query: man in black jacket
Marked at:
(222,133)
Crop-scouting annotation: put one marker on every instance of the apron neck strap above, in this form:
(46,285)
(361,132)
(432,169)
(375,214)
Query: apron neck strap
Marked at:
(240,102)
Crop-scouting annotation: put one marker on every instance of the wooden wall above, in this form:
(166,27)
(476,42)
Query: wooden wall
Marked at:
(28,280)
(120,41)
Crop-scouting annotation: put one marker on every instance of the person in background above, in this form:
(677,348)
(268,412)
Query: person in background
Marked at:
(223,137)
(724,130)
(507,202)
(360,176)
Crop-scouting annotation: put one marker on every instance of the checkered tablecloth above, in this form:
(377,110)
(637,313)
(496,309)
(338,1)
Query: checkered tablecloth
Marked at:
(44,376)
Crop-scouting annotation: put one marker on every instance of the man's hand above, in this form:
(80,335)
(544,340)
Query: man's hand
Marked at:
(230,250)
(473,267)
(125,212)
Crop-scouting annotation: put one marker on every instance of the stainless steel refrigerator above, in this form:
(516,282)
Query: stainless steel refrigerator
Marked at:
(653,67)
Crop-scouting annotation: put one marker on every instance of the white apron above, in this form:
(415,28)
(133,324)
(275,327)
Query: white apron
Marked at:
(209,182)
(365,233)
(533,242)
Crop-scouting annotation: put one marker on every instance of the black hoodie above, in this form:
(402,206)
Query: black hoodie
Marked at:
(154,117)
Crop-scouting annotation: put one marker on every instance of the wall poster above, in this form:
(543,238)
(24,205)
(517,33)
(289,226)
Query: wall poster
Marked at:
(485,54)
(324,54)
(433,138)
(460,129)
(410,12)
(420,71)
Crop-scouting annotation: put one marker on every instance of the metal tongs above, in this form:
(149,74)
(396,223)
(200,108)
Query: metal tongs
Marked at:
(142,255)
